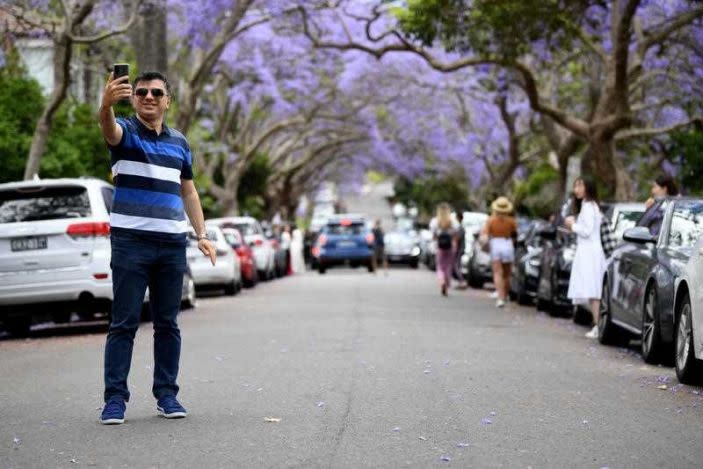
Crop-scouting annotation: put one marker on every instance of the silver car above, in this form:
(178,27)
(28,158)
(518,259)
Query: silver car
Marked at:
(250,228)
(688,314)
(227,271)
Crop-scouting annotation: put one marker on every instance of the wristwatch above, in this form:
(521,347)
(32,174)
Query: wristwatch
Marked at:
(203,236)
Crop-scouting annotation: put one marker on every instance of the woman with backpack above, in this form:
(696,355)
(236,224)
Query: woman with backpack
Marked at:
(444,231)
(589,264)
(499,234)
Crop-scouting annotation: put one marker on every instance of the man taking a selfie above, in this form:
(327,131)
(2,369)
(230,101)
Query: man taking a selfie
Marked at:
(153,176)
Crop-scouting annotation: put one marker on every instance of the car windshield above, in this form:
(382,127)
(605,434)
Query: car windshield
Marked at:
(246,229)
(44,203)
(232,238)
(686,224)
(353,229)
(626,220)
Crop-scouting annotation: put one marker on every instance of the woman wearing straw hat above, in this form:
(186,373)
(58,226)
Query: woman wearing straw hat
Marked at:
(500,233)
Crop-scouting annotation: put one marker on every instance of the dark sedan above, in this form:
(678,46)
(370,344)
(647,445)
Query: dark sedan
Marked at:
(555,260)
(638,288)
(525,273)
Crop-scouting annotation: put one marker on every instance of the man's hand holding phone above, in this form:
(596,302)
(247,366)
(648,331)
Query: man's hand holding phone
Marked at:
(118,88)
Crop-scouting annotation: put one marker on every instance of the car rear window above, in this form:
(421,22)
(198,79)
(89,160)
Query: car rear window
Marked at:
(246,229)
(353,229)
(44,203)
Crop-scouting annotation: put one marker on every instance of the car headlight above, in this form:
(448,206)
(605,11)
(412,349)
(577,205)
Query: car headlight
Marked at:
(415,251)
(534,262)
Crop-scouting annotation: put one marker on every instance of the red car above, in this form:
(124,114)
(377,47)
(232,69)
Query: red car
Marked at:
(246,256)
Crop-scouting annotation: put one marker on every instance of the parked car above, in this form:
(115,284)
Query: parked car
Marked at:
(638,288)
(246,256)
(623,216)
(526,270)
(402,248)
(558,249)
(688,320)
(54,250)
(227,271)
(345,239)
(280,257)
(479,265)
(250,228)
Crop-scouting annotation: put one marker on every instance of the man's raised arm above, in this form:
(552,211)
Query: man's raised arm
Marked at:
(115,90)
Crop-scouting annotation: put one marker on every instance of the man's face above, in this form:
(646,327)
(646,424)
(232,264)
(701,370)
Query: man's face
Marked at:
(150,107)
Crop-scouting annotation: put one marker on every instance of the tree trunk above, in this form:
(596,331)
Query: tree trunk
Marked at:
(230,203)
(62,58)
(149,38)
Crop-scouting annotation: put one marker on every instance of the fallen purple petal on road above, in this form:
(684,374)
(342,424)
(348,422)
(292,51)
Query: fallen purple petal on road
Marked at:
(446,458)
(320,404)
(676,388)
(462,444)
(17,441)
(422,438)
(486,421)
(493,414)
(427,372)
(396,429)
(74,461)
(219,359)
(585,422)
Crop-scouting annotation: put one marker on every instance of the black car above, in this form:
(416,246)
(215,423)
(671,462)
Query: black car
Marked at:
(525,274)
(555,260)
(638,288)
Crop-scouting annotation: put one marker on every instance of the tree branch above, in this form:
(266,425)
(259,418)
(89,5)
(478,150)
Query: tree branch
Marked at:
(634,133)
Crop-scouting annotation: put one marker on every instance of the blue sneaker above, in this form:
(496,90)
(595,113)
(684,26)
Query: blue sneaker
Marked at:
(113,412)
(169,407)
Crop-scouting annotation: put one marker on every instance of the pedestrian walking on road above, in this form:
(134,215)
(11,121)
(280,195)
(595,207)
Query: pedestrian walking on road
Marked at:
(153,175)
(589,264)
(444,232)
(379,243)
(297,260)
(500,233)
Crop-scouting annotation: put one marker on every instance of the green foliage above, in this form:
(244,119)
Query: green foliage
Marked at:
(538,195)
(426,193)
(253,187)
(76,146)
(503,29)
(21,104)
(688,148)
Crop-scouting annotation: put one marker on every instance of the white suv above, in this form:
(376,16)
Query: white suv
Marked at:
(55,252)
(54,248)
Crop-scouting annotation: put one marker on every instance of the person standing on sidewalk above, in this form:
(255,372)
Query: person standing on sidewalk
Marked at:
(153,175)
(379,251)
(589,264)
(444,231)
(460,249)
(500,233)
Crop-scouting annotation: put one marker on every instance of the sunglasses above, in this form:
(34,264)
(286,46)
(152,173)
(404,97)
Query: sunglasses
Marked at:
(155,92)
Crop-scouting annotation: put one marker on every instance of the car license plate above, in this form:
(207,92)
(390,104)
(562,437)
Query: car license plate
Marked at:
(346,244)
(28,244)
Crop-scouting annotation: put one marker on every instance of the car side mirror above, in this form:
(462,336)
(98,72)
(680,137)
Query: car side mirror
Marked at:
(639,235)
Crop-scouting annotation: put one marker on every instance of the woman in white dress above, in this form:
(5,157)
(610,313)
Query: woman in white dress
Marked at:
(588,267)
(296,252)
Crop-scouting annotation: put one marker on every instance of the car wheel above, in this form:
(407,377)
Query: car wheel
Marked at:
(523,298)
(321,268)
(608,332)
(651,331)
(19,326)
(189,300)
(414,264)
(231,288)
(474,280)
(61,317)
(370,267)
(689,370)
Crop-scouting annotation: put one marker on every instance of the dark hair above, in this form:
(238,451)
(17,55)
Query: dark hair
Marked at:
(591,193)
(668,182)
(148,76)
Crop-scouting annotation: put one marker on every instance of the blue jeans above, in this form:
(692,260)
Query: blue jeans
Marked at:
(138,263)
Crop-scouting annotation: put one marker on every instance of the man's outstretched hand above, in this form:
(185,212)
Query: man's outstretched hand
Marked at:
(208,249)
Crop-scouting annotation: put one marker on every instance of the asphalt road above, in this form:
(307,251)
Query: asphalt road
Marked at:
(362,371)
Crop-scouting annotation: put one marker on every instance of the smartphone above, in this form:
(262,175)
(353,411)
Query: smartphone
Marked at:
(120,70)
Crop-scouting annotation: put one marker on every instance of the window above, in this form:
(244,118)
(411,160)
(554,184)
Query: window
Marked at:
(626,220)
(44,203)
(107,193)
(353,229)
(686,224)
